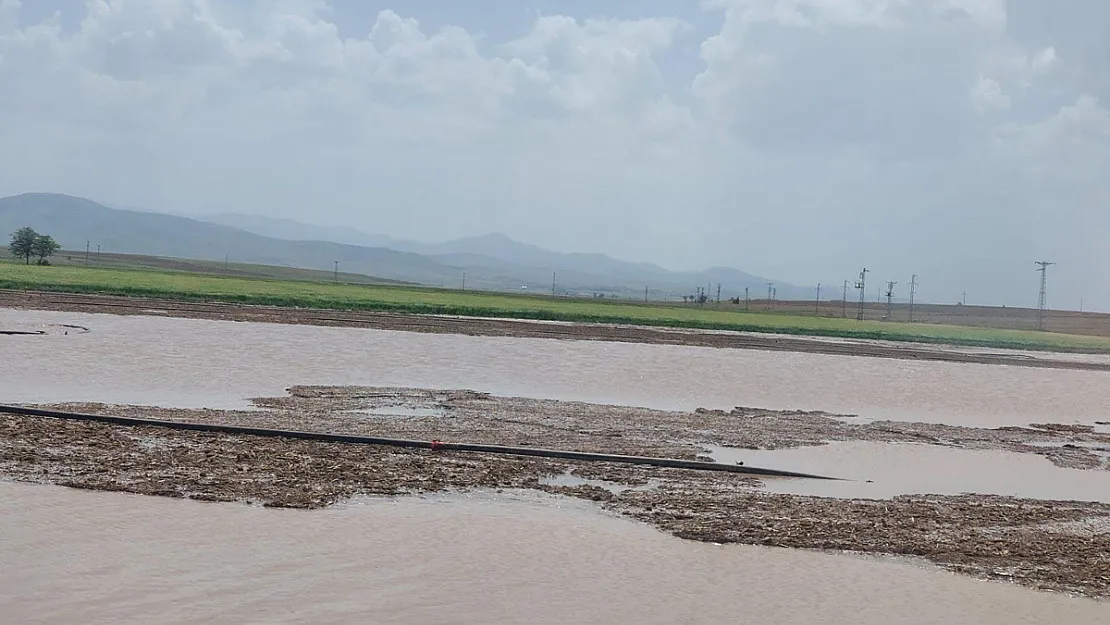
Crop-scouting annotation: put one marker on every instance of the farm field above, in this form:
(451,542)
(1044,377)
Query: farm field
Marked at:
(417,300)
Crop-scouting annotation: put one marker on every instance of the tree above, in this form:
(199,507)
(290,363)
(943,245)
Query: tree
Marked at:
(44,246)
(23,243)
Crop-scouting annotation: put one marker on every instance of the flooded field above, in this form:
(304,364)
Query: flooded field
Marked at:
(874,470)
(926,433)
(448,559)
(194,363)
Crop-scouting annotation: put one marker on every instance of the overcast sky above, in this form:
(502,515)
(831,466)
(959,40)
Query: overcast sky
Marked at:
(800,139)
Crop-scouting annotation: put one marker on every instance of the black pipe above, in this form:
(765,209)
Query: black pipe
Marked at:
(411,444)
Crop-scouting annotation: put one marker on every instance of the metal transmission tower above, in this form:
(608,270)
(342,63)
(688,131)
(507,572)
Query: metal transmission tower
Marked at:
(861,284)
(890,298)
(913,292)
(844,301)
(1042,303)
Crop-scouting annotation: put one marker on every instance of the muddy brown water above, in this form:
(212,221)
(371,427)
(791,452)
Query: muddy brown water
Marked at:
(447,559)
(69,556)
(881,470)
(198,363)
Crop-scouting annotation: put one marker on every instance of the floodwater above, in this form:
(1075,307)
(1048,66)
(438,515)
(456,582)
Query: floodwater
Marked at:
(216,364)
(69,556)
(882,470)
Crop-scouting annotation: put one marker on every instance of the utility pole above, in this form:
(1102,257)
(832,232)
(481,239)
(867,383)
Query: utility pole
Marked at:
(98,253)
(890,298)
(862,286)
(770,295)
(718,292)
(552,285)
(464,281)
(87,253)
(963,302)
(844,302)
(747,299)
(1042,304)
(645,294)
(817,306)
(913,292)
(336,276)
(225,263)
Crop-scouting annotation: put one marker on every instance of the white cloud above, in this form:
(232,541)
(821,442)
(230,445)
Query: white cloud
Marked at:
(812,136)
(987,96)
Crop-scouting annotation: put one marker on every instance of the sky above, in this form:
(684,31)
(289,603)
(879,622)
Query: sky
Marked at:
(958,140)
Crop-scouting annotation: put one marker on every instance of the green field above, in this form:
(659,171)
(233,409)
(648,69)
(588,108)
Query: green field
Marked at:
(72,258)
(323,295)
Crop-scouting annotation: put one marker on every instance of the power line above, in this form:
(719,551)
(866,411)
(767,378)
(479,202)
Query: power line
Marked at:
(1042,304)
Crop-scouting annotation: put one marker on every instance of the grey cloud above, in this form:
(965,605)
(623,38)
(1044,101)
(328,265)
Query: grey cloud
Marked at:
(956,143)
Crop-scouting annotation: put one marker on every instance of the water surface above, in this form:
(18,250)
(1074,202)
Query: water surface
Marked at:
(69,556)
(197,363)
(882,470)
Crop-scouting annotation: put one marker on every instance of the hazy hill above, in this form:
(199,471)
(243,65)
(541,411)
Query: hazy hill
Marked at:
(492,261)
(290,230)
(73,221)
(497,261)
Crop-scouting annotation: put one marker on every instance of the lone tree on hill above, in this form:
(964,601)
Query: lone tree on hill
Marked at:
(27,244)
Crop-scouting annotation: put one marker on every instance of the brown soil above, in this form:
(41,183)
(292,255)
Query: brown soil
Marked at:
(33,300)
(467,416)
(1064,321)
(1043,544)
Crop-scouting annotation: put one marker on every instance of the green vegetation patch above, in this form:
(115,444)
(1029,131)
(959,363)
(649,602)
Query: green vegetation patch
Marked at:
(403,299)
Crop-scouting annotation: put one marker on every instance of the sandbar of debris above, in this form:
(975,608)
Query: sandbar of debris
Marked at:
(1054,545)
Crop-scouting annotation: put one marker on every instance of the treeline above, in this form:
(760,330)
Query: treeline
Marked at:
(28,244)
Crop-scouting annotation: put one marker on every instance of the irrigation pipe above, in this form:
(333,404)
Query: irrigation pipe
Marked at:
(410,444)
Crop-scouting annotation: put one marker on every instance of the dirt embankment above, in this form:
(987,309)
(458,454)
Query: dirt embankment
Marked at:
(473,326)
(1062,545)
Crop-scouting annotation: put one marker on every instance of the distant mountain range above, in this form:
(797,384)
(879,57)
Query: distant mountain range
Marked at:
(492,261)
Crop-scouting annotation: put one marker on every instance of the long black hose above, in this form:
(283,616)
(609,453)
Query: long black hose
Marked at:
(411,444)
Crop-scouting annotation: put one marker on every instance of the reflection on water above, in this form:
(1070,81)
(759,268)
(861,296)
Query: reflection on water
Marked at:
(192,363)
(69,556)
(882,470)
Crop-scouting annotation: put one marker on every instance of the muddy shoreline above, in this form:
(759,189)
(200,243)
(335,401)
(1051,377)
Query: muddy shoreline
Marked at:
(1054,545)
(473,326)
